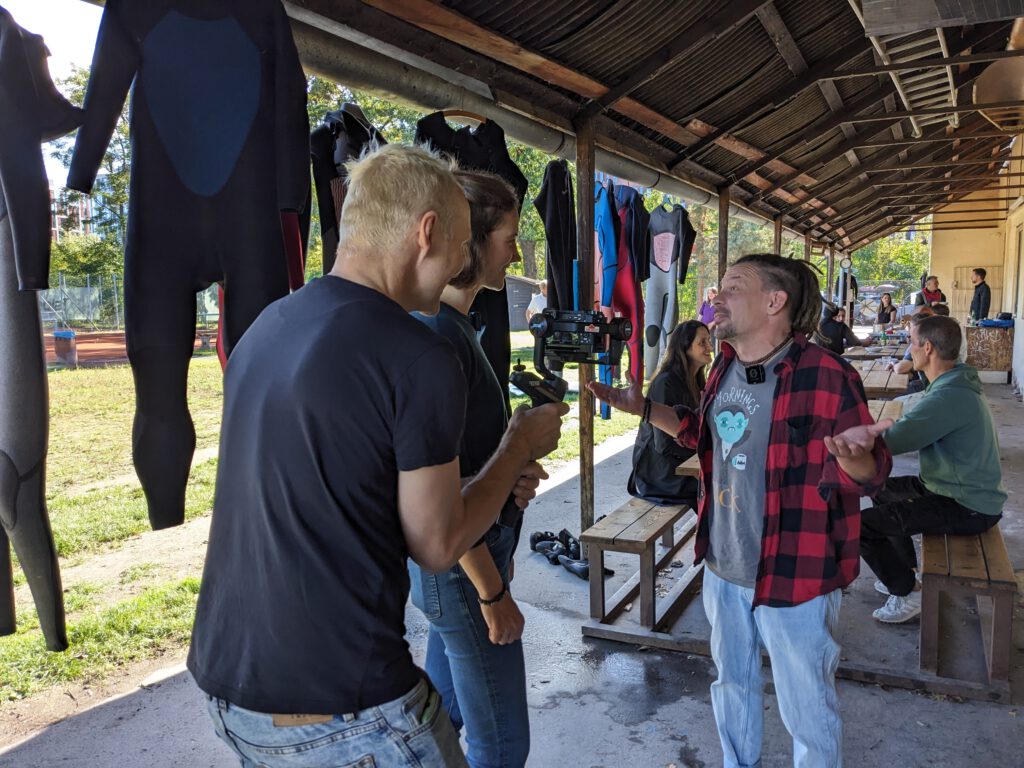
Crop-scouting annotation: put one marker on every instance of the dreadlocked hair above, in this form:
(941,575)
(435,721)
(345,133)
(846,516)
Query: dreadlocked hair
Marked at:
(797,280)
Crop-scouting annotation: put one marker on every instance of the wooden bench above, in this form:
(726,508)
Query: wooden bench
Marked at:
(205,337)
(976,566)
(636,527)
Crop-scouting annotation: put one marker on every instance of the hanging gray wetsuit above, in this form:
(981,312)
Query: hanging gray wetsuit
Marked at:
(31,112)
(671,245)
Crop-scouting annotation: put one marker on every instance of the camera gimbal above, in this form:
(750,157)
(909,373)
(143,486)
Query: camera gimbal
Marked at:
(568,336)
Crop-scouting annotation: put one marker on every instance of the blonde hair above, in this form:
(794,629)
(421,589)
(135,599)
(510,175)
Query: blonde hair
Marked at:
(389,190)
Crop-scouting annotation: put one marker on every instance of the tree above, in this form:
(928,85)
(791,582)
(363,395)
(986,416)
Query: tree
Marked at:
(110,192)
(79,256)
(892,259)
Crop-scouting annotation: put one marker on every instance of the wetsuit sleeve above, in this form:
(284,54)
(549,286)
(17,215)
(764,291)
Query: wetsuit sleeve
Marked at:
(22,174)
(292,121)
(113,68)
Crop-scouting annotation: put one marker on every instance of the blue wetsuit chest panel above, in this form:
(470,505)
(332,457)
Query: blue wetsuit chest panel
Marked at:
(201,83)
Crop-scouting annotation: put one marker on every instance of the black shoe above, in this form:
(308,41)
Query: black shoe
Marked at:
(551,550)
(571,544)
(538,536)
(580,568)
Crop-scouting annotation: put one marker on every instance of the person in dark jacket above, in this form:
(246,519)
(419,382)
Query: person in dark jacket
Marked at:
(679,380)
(833,332)
(886,310)
(982,294)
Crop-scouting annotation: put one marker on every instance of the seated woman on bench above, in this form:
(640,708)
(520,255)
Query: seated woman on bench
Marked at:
(679,380)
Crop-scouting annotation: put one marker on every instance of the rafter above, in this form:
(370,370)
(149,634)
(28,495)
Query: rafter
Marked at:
(903,66)
(778,98)
(819,127)
(719,23)
(951,137)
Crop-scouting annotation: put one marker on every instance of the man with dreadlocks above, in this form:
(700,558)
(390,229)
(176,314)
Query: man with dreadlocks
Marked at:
(787,446)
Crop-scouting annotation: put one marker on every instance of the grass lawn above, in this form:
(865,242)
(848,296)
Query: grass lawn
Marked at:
(91,414)
(95,502)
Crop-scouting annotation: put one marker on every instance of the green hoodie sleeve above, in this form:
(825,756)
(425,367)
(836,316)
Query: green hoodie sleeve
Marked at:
(931,419)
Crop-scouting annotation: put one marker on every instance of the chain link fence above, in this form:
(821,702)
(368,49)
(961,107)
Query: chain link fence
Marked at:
(96,303)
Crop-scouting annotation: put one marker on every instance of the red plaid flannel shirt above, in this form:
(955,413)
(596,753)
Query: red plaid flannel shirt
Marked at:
(811,540)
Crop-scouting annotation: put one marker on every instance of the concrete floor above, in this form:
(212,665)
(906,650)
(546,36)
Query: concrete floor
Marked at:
(598,703)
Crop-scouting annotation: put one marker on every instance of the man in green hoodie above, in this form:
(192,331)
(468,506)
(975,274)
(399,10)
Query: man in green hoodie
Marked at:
(959,490)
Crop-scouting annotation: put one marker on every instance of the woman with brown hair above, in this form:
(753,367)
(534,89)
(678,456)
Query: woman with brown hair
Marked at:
(679,380)
(474,649)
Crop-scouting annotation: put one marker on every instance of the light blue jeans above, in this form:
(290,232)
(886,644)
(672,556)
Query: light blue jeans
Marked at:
(409,732)
(483,685)
(804,655)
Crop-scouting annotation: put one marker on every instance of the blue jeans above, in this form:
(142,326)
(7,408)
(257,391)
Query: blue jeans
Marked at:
(409,732)
(804,656)
(482,685)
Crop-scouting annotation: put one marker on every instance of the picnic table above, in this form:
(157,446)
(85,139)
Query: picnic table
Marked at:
(878,380)
(874,352)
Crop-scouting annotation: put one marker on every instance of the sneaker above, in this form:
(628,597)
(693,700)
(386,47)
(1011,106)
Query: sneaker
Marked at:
(881,589)
(899,609)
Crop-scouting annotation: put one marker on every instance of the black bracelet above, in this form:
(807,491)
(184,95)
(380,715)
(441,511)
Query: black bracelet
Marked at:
(647,411)
(497,598)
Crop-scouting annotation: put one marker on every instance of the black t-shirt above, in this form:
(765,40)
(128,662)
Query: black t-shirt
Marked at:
(486,417)
(328,395)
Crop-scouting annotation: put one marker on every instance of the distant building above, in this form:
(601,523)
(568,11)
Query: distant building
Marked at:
(520,291)
(70,211)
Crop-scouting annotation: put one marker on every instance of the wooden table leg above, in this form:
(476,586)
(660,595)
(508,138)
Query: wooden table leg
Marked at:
(668,537)
(597,604)
(1001,638)
(929,640)
(647,594)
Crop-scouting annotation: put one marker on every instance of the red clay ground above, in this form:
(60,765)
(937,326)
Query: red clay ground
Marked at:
(97,348)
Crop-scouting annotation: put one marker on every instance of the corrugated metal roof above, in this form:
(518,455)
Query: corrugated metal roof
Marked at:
(721,81)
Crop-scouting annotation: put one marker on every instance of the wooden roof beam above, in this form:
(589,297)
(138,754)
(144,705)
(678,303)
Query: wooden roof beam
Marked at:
(445,23)
(776,99)
(818,128)
(719,23)
(836,183)
(951,137)
(904,66)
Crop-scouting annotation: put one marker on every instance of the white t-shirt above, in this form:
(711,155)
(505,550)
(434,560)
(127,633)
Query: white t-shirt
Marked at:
(537,304)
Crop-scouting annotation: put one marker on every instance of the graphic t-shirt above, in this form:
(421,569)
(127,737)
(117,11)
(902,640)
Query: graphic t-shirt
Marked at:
(741,418)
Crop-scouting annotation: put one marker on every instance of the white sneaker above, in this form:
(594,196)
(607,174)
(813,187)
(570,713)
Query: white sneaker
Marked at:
(881,589)
(899,609)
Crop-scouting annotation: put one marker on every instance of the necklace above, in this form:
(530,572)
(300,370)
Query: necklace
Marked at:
(755,369)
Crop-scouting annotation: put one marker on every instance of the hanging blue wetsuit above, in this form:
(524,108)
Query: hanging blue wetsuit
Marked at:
(220,147)
(606,261)
(31,112)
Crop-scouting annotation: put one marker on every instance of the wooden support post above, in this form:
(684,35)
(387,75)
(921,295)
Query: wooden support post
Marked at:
(777,242)
(723,232)
(807,246)
(830,273)
(584,129)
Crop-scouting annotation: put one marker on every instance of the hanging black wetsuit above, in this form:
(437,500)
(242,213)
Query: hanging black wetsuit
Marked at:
(482,149)
(341,137)
(220,146)
(31,112)
(557,211)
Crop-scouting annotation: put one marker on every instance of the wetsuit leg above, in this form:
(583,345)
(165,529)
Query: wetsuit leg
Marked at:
(24,421)
(160,316)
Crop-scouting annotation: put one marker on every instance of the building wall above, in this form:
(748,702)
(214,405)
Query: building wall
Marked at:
(956,251)
(999,247)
